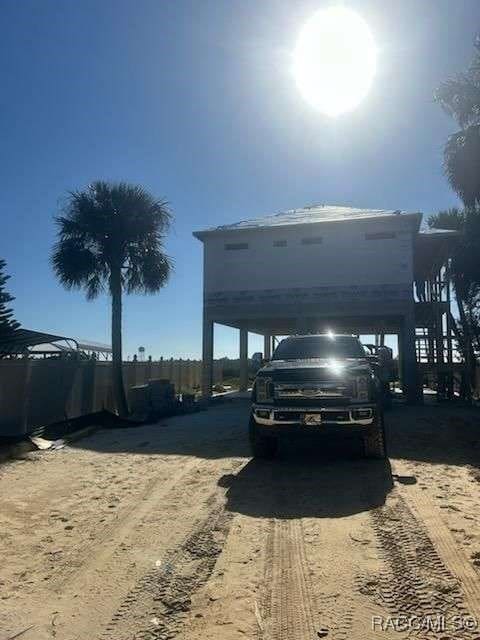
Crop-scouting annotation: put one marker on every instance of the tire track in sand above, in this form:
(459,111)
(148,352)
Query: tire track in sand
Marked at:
(290,611)
(454,557)
(111,536)
(417,584)
(158,605)
(121,568)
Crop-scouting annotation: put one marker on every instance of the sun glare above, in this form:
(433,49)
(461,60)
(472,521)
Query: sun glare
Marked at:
(335,60)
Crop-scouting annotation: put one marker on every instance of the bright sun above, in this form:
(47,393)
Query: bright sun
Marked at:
(335,60)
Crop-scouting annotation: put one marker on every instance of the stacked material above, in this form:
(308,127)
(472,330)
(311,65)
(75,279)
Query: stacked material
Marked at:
(139,401)
(157,398)
(161,396)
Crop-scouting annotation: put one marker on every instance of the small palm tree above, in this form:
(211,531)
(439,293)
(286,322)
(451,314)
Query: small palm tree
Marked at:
(110,237)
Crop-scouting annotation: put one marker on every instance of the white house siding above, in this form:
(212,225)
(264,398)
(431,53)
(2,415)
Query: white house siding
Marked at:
(344,257)
(344,266)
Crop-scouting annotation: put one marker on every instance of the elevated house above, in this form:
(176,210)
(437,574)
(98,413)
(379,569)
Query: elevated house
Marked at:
(331,268)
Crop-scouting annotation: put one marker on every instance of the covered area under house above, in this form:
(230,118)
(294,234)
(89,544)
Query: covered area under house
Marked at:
(331,268)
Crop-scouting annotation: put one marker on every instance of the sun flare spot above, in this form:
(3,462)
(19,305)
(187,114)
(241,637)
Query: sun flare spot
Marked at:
(334,61)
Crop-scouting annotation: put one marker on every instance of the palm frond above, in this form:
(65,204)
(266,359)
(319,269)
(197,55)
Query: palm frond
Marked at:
(465,263)
(110,226)
(73,263)
(461,162)
(453,219)
(147,270)
(460,98)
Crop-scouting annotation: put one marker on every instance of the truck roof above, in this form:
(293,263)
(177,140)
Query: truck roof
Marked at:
(322,335)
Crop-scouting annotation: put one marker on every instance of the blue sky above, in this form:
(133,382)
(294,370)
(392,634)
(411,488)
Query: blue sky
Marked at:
(195,100)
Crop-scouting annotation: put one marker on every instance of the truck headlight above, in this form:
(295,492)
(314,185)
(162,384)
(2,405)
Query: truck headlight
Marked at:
(362,388)
(263,389)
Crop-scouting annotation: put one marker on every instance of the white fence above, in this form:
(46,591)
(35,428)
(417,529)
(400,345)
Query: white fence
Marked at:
(38,392)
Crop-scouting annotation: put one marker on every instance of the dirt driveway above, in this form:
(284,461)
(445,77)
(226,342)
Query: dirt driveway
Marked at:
(172,531)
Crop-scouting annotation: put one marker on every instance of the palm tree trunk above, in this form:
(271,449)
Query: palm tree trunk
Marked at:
(117,374)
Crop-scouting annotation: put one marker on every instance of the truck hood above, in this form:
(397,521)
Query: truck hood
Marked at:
(315,369)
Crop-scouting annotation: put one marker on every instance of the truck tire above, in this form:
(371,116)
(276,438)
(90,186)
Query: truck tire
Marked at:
(261,446)
(374,443)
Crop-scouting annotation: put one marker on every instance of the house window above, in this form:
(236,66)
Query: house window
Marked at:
(380,235)
(312,240)
(279,243)
(236,246)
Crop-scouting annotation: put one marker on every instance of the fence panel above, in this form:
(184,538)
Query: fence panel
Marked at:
(14,377)
(38,392)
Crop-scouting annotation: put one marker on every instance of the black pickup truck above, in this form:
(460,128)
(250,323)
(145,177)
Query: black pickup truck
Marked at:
(317,383)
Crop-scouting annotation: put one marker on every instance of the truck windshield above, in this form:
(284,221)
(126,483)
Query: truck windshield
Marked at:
(319,347)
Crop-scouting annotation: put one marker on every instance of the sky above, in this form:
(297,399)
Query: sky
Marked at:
(196,101)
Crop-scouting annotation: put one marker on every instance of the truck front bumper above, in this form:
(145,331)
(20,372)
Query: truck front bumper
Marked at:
(276,416)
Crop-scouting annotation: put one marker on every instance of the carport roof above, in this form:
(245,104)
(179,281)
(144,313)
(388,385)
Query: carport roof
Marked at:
(24,340)
(309,215)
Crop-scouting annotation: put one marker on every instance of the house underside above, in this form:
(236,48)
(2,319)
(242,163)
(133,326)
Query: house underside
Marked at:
(290,319)
(396,285)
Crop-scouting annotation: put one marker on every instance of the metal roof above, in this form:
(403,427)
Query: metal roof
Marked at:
(439,232)
(308,215)
(88,345)
(24,339)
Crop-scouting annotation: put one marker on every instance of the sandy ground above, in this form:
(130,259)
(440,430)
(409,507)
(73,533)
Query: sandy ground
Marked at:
(172,531)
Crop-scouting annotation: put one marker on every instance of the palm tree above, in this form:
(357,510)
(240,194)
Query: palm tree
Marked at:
(460,98)
(465,273)
(110,237)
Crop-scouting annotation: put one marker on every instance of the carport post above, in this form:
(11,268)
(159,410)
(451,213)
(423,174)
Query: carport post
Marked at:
(410,379)
(267,346)
(207,357)
(243,359)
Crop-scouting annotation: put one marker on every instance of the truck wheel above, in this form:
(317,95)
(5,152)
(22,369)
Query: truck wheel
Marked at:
(260,445)
(374,443)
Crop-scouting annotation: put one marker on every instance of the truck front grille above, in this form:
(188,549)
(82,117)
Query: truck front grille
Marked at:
(327,416)
(312,390)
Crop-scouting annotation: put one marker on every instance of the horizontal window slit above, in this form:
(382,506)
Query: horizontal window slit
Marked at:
(380,235)
(236,246)
(314,240)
